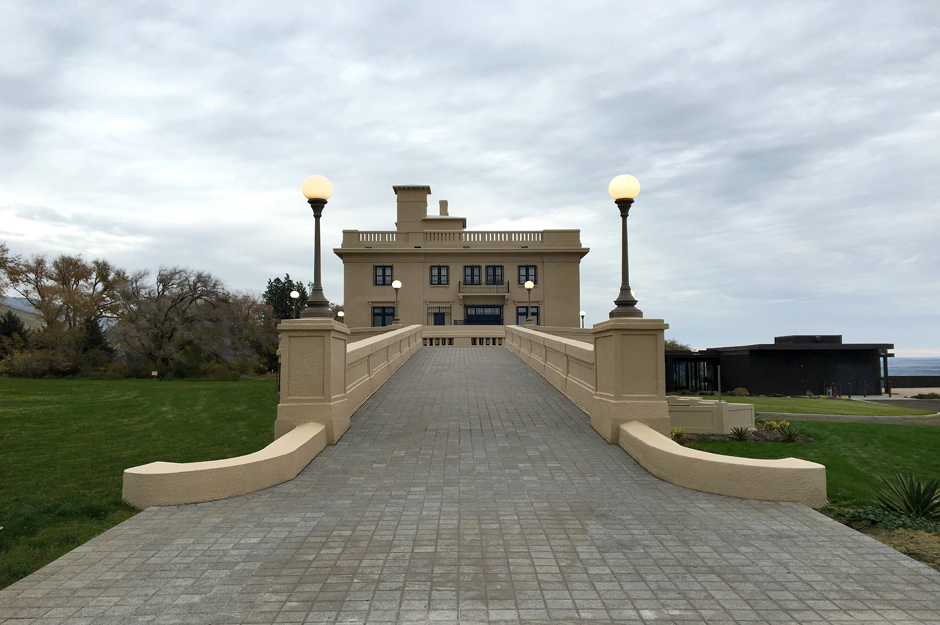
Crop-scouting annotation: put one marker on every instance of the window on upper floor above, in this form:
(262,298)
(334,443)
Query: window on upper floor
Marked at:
(494,274)
(528,272)
(472,274)
(383,274)
(439,274)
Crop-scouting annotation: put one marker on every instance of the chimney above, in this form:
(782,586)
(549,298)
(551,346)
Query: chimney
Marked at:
(412,206)
(443,208)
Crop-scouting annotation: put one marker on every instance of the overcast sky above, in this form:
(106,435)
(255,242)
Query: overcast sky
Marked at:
(788,152)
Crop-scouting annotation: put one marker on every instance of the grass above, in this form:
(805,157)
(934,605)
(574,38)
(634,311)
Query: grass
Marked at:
(856,455)
(802,405)
(64,445)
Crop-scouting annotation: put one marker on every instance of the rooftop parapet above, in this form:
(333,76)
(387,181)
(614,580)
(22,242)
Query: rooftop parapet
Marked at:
(463,238)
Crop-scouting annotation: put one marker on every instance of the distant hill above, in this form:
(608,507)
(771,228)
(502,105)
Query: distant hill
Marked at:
(21,308)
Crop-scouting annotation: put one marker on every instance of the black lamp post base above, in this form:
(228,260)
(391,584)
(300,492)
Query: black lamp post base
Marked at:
(625,311)
(317,306)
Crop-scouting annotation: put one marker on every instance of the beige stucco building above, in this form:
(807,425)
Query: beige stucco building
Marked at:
(451,275)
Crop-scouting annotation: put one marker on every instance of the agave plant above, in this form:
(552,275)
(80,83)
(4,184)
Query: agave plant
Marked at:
(910,496)
(741,433)
(788,433)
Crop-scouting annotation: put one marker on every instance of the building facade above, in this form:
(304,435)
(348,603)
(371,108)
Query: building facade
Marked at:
(791,365)
(454,276)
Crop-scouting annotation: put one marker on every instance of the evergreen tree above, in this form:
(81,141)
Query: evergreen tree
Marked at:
(277,296)
(11,324)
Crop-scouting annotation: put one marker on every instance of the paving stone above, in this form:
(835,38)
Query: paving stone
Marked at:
(469,490)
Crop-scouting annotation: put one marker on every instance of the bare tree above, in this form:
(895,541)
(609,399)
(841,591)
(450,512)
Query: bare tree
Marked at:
(156,321)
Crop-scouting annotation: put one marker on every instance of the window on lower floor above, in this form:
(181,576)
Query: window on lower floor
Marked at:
(383,274)
(528,272)
(521,315)
(382,316)
(439,274)
(439,316)
(483,315)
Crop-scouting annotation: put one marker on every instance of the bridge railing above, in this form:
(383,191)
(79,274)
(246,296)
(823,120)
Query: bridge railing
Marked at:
(618,379)
(324,379)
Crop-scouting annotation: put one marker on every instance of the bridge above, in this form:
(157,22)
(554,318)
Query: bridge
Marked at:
(469,489)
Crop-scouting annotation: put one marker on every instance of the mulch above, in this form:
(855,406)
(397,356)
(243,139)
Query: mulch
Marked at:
(757,436)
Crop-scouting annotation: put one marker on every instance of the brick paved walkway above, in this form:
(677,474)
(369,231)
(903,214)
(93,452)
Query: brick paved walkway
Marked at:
(469,490)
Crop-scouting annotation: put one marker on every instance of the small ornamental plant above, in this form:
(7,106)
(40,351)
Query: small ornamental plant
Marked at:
(788,433)
(677,434)
(910,496)
(773,426)
(741,433)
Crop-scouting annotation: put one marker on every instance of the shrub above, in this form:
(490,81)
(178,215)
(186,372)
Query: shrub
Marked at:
(910,496)
(739,392)
(773,426)
(788,433)
(677,434)
(878,517)
(741,433)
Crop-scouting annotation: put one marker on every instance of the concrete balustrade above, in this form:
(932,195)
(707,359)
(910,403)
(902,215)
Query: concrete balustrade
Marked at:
(620,377)
(619,381)
(324,379)
(703,416)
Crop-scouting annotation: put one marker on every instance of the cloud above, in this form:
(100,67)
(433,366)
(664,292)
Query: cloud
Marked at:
(786,152)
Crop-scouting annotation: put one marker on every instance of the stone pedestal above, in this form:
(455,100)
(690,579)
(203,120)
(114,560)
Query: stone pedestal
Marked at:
(312,353)
(630,370)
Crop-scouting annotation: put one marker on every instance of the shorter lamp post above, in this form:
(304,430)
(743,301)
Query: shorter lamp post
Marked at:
(396,285)
(317,190)
(341,314)
(624,189)
(294,295)
(582,313)
(529,285)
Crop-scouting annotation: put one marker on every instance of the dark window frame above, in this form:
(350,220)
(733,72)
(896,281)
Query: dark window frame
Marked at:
(494,274)
(439,275)
(475,274)
(528,272)
(386,316)
(382,275)
(521,315)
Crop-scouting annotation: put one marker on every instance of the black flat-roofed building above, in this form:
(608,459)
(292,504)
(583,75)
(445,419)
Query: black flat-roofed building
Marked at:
(792,365)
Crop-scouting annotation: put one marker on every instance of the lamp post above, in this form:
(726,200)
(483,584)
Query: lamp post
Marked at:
(317,189)
(624,189)
(582,313)
(294,295)
(341,314)
(529,285)
(396,285)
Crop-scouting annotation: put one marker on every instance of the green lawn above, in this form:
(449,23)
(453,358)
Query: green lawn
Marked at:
(856,455)
(64,445)
(802,405)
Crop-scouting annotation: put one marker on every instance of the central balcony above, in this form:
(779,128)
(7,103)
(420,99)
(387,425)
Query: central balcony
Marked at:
(483,289)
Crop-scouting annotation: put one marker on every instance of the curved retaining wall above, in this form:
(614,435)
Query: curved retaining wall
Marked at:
(174,483)
(788,479)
